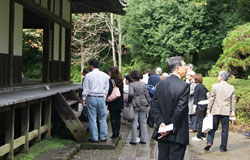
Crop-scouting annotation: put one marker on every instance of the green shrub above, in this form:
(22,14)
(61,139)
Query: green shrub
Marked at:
(242,89)
(236,51)
(75,74)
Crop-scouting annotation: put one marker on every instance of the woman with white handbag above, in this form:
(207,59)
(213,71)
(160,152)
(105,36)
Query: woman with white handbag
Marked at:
(115,100)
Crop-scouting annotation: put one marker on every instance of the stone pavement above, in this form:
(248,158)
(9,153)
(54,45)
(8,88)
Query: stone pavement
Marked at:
(238,148)
(140,151)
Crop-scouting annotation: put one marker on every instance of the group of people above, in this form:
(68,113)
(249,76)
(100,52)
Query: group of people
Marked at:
(183,105)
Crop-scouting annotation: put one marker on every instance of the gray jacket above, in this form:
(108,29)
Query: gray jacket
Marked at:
(139,94)
(191,98)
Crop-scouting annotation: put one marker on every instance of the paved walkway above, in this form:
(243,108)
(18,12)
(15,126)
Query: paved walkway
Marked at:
(140,151)
(238,149)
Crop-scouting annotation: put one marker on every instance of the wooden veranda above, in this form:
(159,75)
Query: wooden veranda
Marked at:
(26,109)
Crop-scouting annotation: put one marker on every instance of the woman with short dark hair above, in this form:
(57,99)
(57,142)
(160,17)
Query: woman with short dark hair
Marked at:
(115,106)
(200,105)
(139,98)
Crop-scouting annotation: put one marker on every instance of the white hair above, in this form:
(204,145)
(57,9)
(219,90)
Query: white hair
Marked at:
(224,75)
(158,70)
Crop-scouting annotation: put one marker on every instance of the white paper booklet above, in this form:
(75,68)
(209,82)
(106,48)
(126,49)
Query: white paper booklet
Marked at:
(167,128)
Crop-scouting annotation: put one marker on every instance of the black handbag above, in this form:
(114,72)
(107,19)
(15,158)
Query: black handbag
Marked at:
(84,115)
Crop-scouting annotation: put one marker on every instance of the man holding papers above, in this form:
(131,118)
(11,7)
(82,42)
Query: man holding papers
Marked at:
(170,112)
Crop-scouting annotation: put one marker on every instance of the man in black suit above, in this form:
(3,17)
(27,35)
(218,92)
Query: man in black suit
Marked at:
(170,106)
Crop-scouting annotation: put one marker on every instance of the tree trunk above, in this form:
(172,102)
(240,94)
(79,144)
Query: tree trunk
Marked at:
(83,56)
(112,38)
(195,58)
(120,46)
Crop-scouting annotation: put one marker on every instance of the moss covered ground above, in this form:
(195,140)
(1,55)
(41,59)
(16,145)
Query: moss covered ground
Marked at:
(43,146)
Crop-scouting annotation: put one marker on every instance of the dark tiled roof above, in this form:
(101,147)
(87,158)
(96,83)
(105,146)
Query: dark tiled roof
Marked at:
(91,6)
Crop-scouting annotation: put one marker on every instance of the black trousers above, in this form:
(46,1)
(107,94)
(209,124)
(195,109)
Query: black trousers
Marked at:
(201,114)
(115,118)
(171,150)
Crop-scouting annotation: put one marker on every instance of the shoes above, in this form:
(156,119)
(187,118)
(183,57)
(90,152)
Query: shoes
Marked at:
(103,140)
(133,143)
(115,136)
(203,138)
(92,141)
(224,150)
(208,146)
(143,142)
(197,139)
(247,134)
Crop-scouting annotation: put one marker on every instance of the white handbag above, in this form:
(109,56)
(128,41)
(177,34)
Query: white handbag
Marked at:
(115,93)
(207,124)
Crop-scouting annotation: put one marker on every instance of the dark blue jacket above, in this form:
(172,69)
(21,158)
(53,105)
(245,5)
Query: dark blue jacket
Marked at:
(153,79)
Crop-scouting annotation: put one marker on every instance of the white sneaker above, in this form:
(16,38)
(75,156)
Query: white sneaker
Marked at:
(138,140)
(196,139)
(204,138)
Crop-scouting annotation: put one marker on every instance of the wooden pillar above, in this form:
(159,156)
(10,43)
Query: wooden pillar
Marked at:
(46,48)
(68,48)
(9,130)
(60,53)
(37,120)
(52,75)
(67,54)
(11,41)
(25,126)
(48,117)
(49,5)
(60,43)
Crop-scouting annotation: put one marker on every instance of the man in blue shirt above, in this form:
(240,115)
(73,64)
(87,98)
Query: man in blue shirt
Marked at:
(95,89)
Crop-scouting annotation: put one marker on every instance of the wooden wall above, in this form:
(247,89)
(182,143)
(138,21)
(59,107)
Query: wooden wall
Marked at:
(4,69)
(17,70)
(4,58)
(57,72)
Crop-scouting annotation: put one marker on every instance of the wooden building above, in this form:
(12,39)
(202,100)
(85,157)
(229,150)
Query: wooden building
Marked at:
(25,110)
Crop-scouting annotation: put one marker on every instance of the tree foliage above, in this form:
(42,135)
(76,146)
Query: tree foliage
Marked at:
(157,29)
(236,52)
(164,28)
(32,53)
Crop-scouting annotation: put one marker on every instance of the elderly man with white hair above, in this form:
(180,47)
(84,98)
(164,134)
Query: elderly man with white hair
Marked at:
(155,78)
(222,104)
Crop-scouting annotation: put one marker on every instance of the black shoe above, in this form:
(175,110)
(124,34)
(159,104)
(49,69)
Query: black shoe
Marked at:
(91,140)
(143,142)
(115,136)
(133,143)
(103,140)
(207,147)
(224,150)
(247,134)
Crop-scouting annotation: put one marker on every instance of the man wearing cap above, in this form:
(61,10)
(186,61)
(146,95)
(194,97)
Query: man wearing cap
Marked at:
(221,102)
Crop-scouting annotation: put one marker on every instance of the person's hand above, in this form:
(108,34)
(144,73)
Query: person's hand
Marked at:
(148,108)
(84,103)
(193,111)
(163,134)
(208,112)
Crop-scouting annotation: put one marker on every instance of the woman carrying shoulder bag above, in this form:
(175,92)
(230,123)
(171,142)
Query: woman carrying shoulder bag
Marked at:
(139,98)
(116,105)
